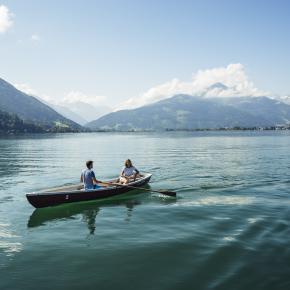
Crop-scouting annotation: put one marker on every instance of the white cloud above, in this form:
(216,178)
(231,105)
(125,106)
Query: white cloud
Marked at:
(77,96)
(35,37)
(25,88)
(227,81)
(72,97)
(284,99)
(5,19)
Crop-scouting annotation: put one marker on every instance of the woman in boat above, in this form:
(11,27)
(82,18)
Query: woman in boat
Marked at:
(88,177)
(129,173)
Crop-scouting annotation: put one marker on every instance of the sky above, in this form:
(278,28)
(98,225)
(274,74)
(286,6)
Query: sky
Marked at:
(128,53)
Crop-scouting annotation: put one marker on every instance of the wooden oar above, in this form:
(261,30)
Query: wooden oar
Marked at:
(163,191)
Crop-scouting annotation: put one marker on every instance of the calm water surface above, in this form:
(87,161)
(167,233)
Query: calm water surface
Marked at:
(229,227)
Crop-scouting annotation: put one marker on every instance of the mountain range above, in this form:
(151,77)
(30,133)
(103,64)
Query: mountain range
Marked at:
(188,112)
(20,112)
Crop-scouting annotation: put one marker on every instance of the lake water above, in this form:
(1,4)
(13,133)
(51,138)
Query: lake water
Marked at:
(228,228)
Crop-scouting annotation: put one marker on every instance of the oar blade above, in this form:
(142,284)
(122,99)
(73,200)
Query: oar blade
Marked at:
(169,193)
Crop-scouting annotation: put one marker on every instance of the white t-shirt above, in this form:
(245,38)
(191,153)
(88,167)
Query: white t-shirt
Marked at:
(128,171)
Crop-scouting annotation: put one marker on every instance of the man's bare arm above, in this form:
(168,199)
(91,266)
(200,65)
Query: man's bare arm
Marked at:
(96,181)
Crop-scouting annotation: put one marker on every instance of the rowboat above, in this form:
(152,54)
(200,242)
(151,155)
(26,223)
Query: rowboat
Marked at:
(76,193)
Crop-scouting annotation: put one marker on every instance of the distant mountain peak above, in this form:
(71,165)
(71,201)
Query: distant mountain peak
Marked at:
(219,86)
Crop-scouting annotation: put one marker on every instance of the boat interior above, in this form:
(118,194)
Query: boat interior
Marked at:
(80,186)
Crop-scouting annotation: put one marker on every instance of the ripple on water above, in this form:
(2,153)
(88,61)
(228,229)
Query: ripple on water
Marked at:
(6,199)
(9,242)
(217,200)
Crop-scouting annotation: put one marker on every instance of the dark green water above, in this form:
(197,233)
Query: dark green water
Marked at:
(229,228)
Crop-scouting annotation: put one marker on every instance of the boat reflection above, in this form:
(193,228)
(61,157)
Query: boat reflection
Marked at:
(88,211)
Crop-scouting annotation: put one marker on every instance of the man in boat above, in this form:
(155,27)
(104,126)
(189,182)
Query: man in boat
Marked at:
(129,173)
(88,177)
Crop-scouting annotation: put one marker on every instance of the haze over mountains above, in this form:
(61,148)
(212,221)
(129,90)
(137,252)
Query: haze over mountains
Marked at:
(66,112)
(80,112)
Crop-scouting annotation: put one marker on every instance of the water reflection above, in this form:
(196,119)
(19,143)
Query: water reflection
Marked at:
(43,215)
(130,205)
(89,216)
(88,211)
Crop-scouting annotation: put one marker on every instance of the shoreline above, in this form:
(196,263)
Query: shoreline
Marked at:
(235,129)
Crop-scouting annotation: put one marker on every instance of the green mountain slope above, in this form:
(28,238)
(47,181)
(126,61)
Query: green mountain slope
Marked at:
(12,124)
(32,110)
(187,112)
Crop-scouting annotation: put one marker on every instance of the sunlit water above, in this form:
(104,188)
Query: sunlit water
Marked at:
(229,227)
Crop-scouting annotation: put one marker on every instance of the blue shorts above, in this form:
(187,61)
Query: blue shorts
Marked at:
(95,186)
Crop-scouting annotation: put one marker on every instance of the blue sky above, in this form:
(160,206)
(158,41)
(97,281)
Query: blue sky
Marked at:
(120,49)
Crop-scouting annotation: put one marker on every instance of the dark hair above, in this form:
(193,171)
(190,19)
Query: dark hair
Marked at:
(89,163)
(128,163)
